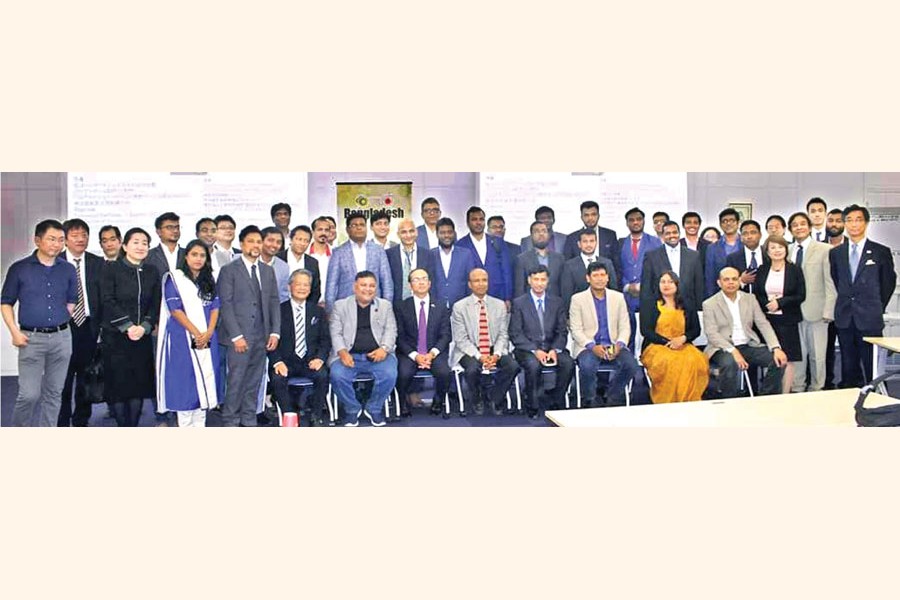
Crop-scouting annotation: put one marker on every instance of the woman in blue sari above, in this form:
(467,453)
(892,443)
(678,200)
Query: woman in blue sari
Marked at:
(188,348)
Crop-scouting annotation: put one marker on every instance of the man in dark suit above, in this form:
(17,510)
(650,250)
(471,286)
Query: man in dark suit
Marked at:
(452,265)
(672,256)
(497,228)
(536,254)
(574,276)
(749,257)
(431,214)
(490,254)
(303,348)
(296,258)
(249,325)
(556,242)
(606,244)
(423,341)
(691,223)
(863,273)
(537,329)
(717,253)
(167,255)
(407,257)
(85,322)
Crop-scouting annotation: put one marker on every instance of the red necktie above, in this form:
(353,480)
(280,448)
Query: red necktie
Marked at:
(634,248)
(484,336)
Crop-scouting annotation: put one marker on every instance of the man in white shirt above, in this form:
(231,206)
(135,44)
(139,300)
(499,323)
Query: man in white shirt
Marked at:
(380,222)
(321,248)
(110,242)
(168,255)
(431,214)
(817,210)
(271,246)
(296,258)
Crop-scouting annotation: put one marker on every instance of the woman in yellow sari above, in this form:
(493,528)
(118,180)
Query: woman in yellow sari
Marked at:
(678,371)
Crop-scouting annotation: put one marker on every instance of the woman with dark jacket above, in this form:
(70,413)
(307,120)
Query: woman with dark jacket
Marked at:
(781,289)
(130,293)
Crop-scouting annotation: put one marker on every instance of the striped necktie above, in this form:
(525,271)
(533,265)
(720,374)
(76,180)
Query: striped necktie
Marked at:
(484,335)
(300,333)
(79,315)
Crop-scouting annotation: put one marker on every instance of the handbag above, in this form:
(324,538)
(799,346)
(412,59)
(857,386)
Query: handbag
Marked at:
(882,416)
(93,379)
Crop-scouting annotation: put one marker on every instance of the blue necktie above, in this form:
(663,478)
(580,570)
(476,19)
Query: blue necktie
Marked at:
(541,314)
(799,256)
(854,261)
(753,263)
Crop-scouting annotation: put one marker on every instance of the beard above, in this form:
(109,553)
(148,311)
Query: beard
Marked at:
(540,245)
(835,231)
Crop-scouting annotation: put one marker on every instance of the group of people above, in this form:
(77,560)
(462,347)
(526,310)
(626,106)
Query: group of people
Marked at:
(211,326)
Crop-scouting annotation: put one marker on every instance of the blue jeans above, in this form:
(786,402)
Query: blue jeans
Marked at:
(384,373)
(625,368)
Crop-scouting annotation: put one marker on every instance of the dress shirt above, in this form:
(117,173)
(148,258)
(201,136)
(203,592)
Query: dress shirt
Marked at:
(295,263)
(432,237)
(248,265)
(674,255)
(83,269)
(748,256)
(446,256)
(31,283)
(587,259)
(359,255)
(171,257)
(819,235)
(602,335)
(738,335)
(480,247)
(805,243)
(418,304)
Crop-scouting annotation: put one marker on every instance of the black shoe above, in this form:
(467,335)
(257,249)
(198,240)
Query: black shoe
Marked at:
(479,407)
(533,414)
(498,408)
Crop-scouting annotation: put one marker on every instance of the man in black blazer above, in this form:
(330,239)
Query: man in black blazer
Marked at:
(497,228)
(302,350)
(296,258)
(750,257)
(405,258)
(537,329)
(533,256)
(85,322)
(574,276)
(863,273)
(167,255)
(418,351)
(607,243)
(672,256)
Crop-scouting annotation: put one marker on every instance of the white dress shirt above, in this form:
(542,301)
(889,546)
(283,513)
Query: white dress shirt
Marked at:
(171,257)
(738,335)
(674,255)
(480,247)
(417,302)
(446,256)
(83,269)
(359,255)
(432,237)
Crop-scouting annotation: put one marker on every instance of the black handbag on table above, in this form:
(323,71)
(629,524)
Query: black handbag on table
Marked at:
(882,416)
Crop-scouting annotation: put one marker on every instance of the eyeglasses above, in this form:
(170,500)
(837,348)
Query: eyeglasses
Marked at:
(430,211)
(418,279)
(171,227)
(207,230)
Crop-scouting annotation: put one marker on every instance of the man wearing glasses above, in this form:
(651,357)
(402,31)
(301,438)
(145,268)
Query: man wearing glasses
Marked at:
(168,255)
(431,213)
(717,254)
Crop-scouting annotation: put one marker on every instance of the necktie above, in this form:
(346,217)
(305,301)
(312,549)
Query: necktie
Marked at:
(78,316)
(799,259)
(540,307)
(588,261)
(854,261)
(634,248)
(254,282)
(753,263)
(484,335)
(818,236)
(300,333)
(422,343)
(407,267)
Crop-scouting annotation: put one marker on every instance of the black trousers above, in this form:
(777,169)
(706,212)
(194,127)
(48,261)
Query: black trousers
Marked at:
(84,343)
(534,382)
(856,355)
(127,412)
(287,401)
(829,356)
(440,370)
(759,356)
(507,368)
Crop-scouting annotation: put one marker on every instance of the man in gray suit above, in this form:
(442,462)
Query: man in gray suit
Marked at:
(480,325)
(728,319)
(538,253)
(352,257)
(363,338)
(556,242)
(249,325)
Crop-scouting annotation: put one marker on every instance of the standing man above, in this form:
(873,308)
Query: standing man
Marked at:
(835,225)
(574,278)
(380,221)
(452,265)
(731,319)
(321,250)
(271,246)
(406,258)
(85,322)
(660,218)
(818,308)
(480,326)
(538,253)
(556,241)
(497,228)
(296,258)
(167,255)
(363,340)
(225,232)
(605,241)
(691,223)
(281,218)
(863,273)
(683,261)
(749,257)
(632,250)
(716,254)
(110,242)
(303,349)
(537,330)
(249,325)
(206,230)
(600,326)
(46,288)
(431,214)
(817,210)
(355,256)
(423,341)
(491,255)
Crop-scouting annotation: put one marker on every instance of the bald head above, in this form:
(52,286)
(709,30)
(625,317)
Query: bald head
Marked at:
(478,282)
(406,231)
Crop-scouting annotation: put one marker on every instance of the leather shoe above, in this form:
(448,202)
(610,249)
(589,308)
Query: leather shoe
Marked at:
(479,407)
(498,408)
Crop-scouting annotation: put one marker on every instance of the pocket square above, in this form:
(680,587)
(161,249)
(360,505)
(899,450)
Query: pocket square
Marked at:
(870,262)
(314,320)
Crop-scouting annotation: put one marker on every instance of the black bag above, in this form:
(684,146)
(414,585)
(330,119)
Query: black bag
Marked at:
(93,379)
(883,416)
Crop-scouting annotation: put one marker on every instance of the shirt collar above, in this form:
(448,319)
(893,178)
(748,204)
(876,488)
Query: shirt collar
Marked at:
(418,301)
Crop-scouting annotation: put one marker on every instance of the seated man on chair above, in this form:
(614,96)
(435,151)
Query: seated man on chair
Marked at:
(598,320)
(728,319)
(537,329)
(480,326)
(423,339)
(363,336)
(304,346)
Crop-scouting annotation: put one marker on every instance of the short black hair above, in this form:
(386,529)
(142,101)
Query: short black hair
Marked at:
(660,213)
(690,214)
(587,231)
(303,228)
(429,200)
(409,277)
(41,228)
(836,211)
(228,218)
(71,224)
(112,228)
(539,269)
(544,210)
(730,212)
(352,217)
(316,221)
(473,210)
(247,231)
(280,206)
(496,218)
(798,215)
(445,222)
(588,204)
(669,223)
(166,216)
(752,223)
(816,200)
(377,215)
(857,208)
(531,229)
(271,230)
(635,210)
(331,219)
(776,218)
(201,222)
(597,266)
(364,275)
